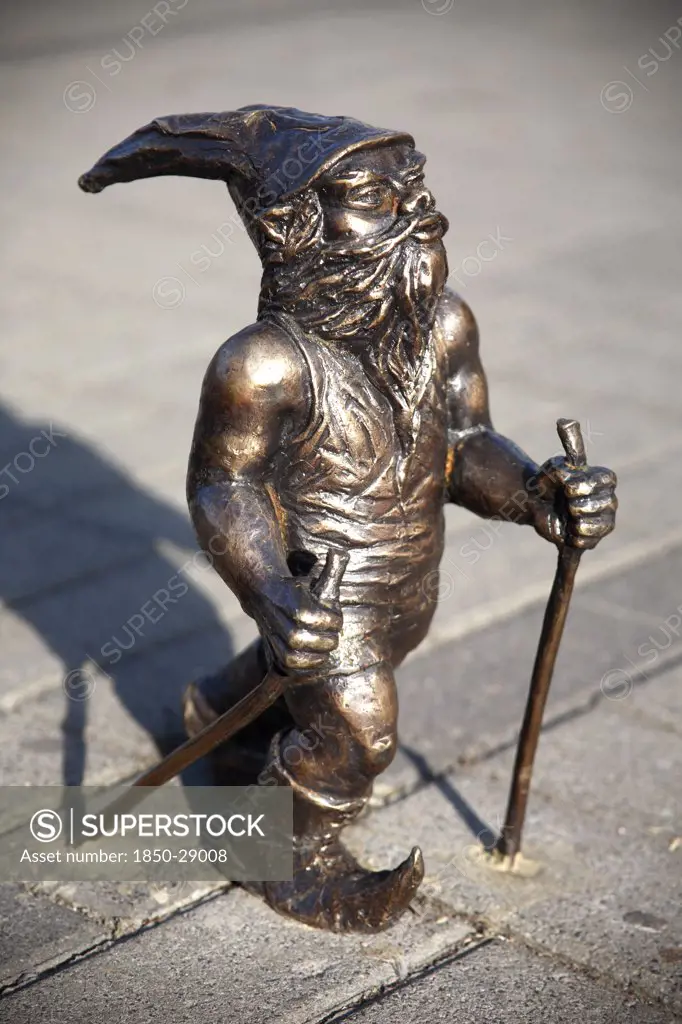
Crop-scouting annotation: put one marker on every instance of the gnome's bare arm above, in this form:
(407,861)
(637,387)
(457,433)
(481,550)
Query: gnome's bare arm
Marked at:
(487,473)
(491,476)
(255,396)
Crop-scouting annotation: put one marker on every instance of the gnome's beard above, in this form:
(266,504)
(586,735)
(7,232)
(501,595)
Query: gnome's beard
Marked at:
(379,299)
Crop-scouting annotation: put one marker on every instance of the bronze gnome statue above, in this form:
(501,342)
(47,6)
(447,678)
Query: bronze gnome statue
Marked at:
(343,419)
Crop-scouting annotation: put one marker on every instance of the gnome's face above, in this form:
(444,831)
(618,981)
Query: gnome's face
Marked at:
(360,250)
(366,193)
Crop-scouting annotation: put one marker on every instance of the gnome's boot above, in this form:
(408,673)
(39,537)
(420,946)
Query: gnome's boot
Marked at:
(329,888)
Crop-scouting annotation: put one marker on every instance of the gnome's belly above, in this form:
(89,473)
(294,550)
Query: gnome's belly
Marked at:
(353,488)
(394,548)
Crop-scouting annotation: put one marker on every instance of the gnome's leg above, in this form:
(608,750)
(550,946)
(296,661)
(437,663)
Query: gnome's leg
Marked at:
(345,735)
(345,732)
(242,759)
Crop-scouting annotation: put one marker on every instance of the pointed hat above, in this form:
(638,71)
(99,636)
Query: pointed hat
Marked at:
(265,154)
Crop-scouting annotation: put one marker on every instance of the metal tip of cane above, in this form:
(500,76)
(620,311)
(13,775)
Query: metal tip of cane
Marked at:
(572,440)
(510,864)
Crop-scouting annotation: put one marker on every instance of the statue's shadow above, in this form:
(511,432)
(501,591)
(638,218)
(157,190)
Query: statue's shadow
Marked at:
(467,814)
(82,552)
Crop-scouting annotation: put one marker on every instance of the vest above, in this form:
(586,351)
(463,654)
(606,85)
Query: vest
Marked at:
(344,480)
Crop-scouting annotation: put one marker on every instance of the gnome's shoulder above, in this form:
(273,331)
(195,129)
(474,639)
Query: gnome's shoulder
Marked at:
(259,364)
(455,321)
(457,332)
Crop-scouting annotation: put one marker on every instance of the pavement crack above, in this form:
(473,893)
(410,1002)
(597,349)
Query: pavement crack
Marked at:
(583,704)
(469,945)
(117,933)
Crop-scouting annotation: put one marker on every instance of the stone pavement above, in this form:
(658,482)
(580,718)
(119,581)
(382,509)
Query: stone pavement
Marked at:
(548,131)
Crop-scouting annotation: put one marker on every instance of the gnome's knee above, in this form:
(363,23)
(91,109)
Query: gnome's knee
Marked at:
(374,751)
(369,706)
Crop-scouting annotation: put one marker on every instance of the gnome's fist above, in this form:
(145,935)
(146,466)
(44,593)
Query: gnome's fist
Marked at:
(579,506)
(298,630)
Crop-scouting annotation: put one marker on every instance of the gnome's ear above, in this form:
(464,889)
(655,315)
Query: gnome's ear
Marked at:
(275,223)
(306,224)
(295,226)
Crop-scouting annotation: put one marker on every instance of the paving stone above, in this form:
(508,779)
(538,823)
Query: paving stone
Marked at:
(610,763)
(71,469)
(132,544)
(26,662)
(55,739)
(124,907)
(65,463)
(503,983)
(601,825)
(486,562)
(36,934)
(161,432)
(665,710)
(226,960)
(464,698)
(144,601)
(97,729)
(45,552)
(86,26)
(31,667)
(579,266)
(150,504)
(131,510)
(433,41)
(653,592)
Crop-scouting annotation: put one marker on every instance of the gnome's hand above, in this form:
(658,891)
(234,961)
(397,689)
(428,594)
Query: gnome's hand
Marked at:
(578,506)
(299,631)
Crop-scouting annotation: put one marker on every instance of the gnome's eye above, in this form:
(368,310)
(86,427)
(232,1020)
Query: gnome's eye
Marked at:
(368,197)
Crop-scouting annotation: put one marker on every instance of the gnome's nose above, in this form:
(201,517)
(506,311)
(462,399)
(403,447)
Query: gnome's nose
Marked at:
(419,200)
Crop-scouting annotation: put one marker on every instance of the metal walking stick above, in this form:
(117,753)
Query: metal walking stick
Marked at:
(556,611)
